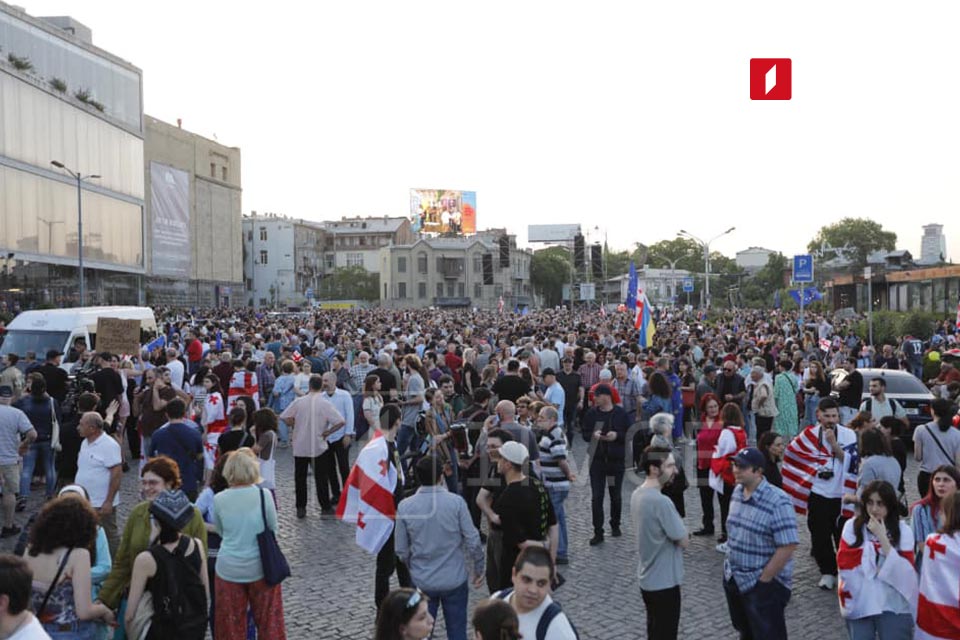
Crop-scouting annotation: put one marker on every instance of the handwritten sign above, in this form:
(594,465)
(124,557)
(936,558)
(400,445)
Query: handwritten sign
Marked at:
(118,336)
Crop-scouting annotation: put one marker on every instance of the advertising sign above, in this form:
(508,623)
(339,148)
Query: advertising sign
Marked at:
(118,336)
(443,211)
(170,209)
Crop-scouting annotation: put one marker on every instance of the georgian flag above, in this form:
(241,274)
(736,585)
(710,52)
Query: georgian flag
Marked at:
(938,608)
(861,582)
(368,499)
(214,413)
(803,457)
(244,383)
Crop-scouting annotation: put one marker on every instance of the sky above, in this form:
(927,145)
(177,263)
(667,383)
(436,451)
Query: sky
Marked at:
(633,119)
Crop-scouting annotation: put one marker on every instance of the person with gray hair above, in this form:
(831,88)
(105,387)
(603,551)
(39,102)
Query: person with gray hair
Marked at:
(661,424)
(99,471)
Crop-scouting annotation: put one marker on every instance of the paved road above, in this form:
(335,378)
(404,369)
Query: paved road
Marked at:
(330,594)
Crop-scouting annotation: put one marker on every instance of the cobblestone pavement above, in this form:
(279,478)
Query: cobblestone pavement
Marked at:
(330,594)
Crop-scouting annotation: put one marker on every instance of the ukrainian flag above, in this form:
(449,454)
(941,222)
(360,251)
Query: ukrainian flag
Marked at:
(644,320)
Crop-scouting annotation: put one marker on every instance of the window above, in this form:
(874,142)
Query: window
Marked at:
(263,256)
(354,259)
(461,289)
(363,241)
(401,264)
(421,263)
(422,290)
(213,169)
(451,287)
(263,234)
(223,173)
(439,289)
(477,263)
(477,290)
(401,290)
(250,236)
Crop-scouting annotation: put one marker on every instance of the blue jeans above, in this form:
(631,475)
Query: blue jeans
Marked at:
(758,613)
(283,431)
(405,437)
(44,452)
(454,604)
(557,496)
(886,626)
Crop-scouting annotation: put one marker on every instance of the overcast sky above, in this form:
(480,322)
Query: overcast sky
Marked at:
(634,117)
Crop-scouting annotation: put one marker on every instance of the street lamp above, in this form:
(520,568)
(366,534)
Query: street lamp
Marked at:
(79,178)
(706,255)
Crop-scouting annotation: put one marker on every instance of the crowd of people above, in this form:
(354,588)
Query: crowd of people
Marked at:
(465,424)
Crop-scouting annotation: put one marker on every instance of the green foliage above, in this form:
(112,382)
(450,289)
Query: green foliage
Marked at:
(84,96)
(58,85)
(20,63)
(758,290)
(617,262)
(549,271)
(351,283)
(890,326)
(862,235)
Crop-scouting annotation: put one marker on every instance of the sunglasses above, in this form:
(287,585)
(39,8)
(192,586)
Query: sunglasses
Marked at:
(414,599)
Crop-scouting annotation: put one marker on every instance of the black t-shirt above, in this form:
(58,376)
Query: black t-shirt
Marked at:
(394,456)
(570,382)
(526,513)
(108,385)
(511,387)
(56,379)
(233,440)
(850,397)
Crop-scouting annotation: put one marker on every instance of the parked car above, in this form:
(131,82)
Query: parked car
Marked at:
(902,386)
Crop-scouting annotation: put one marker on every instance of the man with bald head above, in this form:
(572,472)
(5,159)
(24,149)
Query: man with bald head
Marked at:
(505,417)
(99,470)
(339,441)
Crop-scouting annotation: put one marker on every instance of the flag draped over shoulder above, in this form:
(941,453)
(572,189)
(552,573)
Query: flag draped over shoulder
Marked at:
(938,607)
(644,320)
(862,584)
(802,459)
(368,501)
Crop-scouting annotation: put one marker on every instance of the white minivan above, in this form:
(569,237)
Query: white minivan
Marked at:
(43,330)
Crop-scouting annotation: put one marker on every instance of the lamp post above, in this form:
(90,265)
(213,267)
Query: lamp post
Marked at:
(706,256)
(79,178)
(673,278)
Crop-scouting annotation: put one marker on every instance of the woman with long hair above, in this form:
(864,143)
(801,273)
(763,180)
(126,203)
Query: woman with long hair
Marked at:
(372,402)
(403,615)
(732,439)
(265,431)
(412,400)
(814,389)
(495,619)
(284,388)
(936,443)
(925,514)
(660,396)
(707,436)
(785,390)
(878,584)
(876,460)
(470,376)
(438,421)
(863,420)
(941,577)
(61,551)
(771,445)
(41,410)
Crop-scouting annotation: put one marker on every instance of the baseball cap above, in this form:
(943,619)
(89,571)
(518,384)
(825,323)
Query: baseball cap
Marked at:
(172,508)
(549,372)
(514,452)
(6,391)
(749,457)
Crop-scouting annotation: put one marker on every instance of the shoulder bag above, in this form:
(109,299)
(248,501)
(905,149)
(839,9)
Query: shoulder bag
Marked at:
(53,585)
(275,567)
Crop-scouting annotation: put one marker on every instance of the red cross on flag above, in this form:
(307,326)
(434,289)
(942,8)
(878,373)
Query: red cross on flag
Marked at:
(938,610)
(368,502)
(862,584)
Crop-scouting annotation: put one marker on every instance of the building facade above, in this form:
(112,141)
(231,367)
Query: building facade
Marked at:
(663,287)
(450,272)
(753,259)
(353,242)
(193,237)
(933,245)
(62,99)
(282,260)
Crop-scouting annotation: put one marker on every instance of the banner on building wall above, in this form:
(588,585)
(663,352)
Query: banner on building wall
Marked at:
(443,211)
(170,206)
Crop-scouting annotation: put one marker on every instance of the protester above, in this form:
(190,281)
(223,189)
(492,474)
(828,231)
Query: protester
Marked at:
(532,576)
(711,426)
(494,619)
(183,444)
(785,389)
(771,446)
(876,461)
(937,610)
(17,435)
(99,471)
(605,428)
(936,443)
(17,622)
(925,517)
(404,615)
(555,471)
(732,439)
(45,416)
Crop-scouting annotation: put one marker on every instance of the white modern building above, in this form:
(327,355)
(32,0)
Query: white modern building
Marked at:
(662,286)
(933,245)
(753,259)
(282,259)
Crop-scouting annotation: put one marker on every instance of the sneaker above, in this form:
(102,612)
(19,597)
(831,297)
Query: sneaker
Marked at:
(615,532)
(703,532)
(9,532)
(722,538)
(596,539)
(827,582)
(723,548)
(301,512)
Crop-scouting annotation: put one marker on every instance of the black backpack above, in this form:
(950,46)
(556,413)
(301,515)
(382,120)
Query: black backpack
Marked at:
(543,625)
(179,599)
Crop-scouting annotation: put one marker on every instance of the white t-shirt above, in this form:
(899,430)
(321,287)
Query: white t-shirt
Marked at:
(176,374)
(93,468)
(833,487)
(559,628)
(33,630)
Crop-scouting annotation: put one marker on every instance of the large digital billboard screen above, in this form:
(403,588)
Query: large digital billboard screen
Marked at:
(443,211)
(170,200)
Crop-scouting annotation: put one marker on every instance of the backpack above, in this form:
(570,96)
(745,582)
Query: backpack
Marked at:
(869,406)
(179,600)
(546,618)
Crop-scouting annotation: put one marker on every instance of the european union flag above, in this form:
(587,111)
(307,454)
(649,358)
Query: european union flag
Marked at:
(631,301)
(810,295)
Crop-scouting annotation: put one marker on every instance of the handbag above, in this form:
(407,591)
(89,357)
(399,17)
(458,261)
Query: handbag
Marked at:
(55,428)
(275,567)
(142,618)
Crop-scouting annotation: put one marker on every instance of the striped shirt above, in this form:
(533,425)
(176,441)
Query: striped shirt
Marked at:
(756,527)
(553,451)
(628,391)
(589,374)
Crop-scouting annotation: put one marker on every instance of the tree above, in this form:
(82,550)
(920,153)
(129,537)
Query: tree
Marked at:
(685,252)
(758,290)
(861,235)
(617,263)
(549,271)
(351,283)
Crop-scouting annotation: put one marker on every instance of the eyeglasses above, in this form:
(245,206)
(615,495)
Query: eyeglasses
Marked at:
(414,599)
